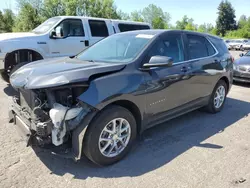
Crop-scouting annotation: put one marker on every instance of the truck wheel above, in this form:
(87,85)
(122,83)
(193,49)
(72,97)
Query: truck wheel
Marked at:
(110,136)
(19,65)
(218,97)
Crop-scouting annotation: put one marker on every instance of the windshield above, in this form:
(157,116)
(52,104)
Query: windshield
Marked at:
(247,54)
(116,48)
(46,26)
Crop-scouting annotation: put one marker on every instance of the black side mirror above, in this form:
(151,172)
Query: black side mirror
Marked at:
(52,34)
(57,33)
(158,61)
(241,55)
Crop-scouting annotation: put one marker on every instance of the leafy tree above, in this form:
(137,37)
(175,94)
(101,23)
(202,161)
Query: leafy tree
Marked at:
(123,15)
(185,23)
(8,20)
(136,16)
(202,28)
(27,18)
(1,22)
(190,27)
(242,21)
(155,16)
(205,28)
(226,18)
(53,8)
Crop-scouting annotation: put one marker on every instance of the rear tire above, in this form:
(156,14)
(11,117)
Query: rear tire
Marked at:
(218,98)
(104,132)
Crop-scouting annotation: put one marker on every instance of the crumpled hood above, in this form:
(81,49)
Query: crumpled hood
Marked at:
(14,36)
(245,60)
(58,71)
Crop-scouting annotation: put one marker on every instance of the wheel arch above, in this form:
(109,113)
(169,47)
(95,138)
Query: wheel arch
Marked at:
(226,80)
(10,57)
(133,108)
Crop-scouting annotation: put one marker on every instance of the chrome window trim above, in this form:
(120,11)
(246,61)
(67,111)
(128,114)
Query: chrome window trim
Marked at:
(216,53)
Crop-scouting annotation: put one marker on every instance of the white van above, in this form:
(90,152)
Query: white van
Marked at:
(57,37)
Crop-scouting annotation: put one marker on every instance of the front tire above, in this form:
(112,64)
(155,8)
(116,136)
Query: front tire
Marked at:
(110,136)
(218,97)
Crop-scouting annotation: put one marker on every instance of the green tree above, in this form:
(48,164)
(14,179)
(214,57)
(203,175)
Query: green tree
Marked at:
(226,18)
(205,28)
(155,16)
(190,27)
(1,22)
(242,21)
(8,20)
(136,16)
(27,18)
(53,8)
(202,28)
(123,15)
(185,23)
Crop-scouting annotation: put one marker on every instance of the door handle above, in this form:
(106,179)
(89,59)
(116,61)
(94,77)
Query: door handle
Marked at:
(185,69)
(86,42)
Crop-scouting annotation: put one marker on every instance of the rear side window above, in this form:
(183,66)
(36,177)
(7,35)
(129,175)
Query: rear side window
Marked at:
(132,27)
(199,47)
(210,48)
(219,44)
(98,28)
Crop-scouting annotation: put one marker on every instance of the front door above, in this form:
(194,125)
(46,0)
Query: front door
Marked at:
(73,39)
(167,86)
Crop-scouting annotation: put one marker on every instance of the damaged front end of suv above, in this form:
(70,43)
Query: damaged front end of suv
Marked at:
(48,105)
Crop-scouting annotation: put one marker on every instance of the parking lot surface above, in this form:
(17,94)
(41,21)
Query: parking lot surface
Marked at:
(194,150)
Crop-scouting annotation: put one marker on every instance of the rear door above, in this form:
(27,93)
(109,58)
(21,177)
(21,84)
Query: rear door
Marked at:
(98,29)
(204,65)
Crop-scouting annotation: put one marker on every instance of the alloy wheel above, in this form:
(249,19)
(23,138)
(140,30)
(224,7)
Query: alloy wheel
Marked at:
(219,96)
(114,137)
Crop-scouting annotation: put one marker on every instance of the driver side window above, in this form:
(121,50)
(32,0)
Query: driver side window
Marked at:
(72,28)
(170,46)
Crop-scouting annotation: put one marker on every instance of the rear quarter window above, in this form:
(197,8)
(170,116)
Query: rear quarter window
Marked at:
(219,44)
(132,27)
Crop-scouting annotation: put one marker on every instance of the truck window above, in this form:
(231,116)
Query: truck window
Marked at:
(98,28)
(72,28)
(131,27)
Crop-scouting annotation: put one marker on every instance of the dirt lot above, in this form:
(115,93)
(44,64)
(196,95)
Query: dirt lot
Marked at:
(195,150)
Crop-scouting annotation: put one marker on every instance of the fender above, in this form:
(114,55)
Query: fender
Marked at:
(118,86)
(37,44)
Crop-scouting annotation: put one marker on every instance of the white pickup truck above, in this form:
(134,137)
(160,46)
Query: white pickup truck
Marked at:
(57,37)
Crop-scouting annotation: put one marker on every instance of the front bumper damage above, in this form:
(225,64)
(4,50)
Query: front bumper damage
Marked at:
(63,119)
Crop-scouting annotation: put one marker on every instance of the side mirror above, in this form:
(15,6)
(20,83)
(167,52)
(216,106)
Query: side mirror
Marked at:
(57,33)
(159,61)
(241,55)
(52,34)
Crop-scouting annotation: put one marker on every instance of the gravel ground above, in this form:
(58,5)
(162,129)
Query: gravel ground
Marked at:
(195,150)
